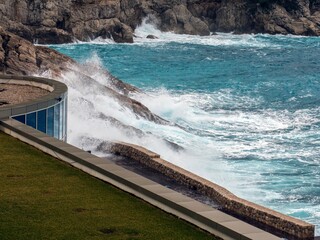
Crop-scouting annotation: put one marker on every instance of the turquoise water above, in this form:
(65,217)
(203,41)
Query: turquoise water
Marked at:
(249,105)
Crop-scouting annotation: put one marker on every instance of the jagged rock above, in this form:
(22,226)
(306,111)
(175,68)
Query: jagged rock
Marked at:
(19,56)
(297,18)
(16,54)
(152,37)
(65,20)
(120,32)
(105,28)
(180,20)
(47,35)
(231,16)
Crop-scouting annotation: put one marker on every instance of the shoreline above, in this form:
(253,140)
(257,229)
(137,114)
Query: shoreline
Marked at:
(160,178)
(284,225)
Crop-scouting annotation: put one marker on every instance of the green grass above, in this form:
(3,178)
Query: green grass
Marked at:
(43,198)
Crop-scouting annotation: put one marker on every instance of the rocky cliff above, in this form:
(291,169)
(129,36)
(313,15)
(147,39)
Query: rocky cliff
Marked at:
(61,21)
(20,57)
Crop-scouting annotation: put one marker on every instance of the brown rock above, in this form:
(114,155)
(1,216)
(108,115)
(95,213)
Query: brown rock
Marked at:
(180,20)
(19,56)
(63,21)
(231,16)
(152,37)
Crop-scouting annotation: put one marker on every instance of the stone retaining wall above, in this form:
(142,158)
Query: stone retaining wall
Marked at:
(289,225)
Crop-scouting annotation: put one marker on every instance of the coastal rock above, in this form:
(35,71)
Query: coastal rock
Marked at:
(46,35)
(19,56)
(231,16)
(63,21)
(152,37)
(16,54)
(180,20)
(285,20)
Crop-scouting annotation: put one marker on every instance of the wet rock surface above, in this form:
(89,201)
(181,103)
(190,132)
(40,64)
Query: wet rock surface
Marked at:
(20,57)
(64,21)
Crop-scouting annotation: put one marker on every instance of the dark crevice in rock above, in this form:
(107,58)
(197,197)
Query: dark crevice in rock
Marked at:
(6,39)
(3,103)
(38,61)
(61,24)
(16,49)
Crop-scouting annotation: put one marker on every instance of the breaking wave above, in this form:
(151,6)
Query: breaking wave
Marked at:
(248,108)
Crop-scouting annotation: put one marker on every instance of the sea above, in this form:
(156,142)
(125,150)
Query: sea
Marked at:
(246,109)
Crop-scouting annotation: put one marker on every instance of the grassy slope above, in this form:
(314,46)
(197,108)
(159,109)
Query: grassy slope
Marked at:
(42,198)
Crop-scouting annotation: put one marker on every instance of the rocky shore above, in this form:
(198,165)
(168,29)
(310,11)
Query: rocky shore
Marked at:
(63,21)
(20,57)
(24,22)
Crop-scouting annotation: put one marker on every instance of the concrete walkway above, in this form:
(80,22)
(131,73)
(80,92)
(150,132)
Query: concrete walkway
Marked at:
(199,214)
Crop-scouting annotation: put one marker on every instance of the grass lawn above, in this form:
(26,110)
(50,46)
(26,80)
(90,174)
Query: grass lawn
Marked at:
(43,198)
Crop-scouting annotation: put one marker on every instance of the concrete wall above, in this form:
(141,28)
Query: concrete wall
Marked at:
(57,91)
(226,199)
(204,216)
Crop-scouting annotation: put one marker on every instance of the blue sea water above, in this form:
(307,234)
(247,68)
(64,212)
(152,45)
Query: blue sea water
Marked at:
(249,106)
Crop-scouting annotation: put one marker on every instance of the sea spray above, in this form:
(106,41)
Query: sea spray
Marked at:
(248,108)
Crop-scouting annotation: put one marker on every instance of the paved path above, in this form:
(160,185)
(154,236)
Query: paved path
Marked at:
(199,214)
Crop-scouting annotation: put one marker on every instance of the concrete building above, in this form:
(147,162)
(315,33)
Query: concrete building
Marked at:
(37,102)
(41,104)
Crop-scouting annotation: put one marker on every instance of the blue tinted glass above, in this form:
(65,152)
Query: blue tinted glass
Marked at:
(50,122)
(56,120)
(42,121)
(31,119)
(21,118)
(65,118)
(61,120)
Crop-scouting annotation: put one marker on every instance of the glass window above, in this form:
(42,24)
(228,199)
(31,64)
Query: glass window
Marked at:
(50,120)
(65,118)
(21,118)
(61,120)
(31,120)
(42,121)
(56,121)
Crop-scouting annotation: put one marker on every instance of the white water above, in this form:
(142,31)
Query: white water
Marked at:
(211,136)
(221,39)
(204,154)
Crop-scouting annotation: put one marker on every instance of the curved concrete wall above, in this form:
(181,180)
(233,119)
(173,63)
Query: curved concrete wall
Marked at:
(47,113)
(57,91)
(286,224)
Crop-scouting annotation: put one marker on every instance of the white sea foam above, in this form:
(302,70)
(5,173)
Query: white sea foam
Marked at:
(220,39)
(210,137)
(86,128)
(228,140)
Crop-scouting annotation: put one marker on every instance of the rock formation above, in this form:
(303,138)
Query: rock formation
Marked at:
(62,21)
(19,56)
